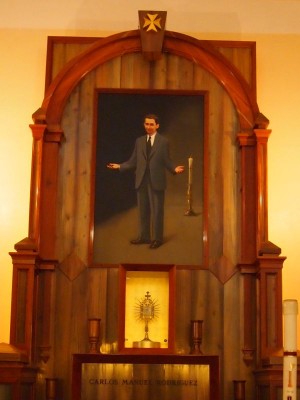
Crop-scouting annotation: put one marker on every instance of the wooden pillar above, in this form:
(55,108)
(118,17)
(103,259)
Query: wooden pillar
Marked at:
(38,131)
(38,249)
(270,305)
(249,312)
(23,305)
(49,188)
(44,330)
(248,266)
(262,136)
(31,242)
(247,144)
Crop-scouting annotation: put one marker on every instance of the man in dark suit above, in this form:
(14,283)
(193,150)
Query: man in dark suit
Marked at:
(150,160)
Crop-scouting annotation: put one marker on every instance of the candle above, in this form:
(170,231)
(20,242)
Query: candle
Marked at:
(290,311)
(190,169)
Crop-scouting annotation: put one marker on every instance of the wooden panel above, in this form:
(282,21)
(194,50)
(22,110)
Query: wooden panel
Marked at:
(108,74)
(176,73)
(242,59)
(170,72)
(60,50)
(71,332)
(162,360)
(179,73)
(92,292)
(68,177)
(159,74)
(235,228)
(135,72)
(97,299)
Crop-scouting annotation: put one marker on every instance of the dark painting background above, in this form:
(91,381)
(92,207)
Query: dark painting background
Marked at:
(120,117)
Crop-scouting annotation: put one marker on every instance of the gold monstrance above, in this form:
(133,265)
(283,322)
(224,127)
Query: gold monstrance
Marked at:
(147,311)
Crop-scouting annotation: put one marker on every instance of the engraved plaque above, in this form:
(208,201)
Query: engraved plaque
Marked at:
(144,381)
(145,377)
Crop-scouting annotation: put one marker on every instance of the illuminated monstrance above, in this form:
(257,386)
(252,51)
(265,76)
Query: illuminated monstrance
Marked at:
(147,311)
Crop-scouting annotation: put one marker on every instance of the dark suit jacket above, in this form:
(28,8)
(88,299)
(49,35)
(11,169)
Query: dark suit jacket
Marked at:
(159,162)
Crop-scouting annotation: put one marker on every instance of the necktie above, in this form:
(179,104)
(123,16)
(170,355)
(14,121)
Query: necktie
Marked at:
(148,146)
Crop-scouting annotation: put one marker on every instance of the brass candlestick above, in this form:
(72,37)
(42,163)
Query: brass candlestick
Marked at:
(94,334)
(196,333)
(51,388)
(190,212)
(239,390)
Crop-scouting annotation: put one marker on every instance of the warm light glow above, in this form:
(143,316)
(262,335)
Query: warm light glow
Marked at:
(156,283)
(22,85)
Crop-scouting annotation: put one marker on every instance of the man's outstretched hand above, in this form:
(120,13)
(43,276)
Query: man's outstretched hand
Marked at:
(179,169)
(113,166)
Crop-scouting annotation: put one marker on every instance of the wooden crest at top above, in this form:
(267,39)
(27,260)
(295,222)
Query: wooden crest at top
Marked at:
(152,29)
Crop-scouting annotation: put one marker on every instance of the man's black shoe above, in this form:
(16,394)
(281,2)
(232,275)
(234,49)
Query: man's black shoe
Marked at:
(155,244)
(140,241)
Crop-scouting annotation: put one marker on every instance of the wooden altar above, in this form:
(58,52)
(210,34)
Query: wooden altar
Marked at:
(236,286)
(152,377)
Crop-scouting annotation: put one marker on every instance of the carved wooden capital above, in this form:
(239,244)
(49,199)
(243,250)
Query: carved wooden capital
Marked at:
(248,356)
(47,133)
(38,131)
(262,135)
(246,139)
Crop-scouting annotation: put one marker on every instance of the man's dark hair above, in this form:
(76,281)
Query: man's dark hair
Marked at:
(152,116)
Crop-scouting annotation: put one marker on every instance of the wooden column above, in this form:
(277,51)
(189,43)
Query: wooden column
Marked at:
(248,266)
(22,328)
(44,313)
(15,372)
(49,188)
(247,144)
(262,136)
(270,305)
(32,241)
(38,248)
(250,313)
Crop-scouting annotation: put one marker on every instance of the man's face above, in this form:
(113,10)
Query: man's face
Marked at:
(150,126)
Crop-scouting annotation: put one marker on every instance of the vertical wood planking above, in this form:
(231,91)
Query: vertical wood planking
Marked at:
(67,177)
(183,307)
(97,297)
(159,73)
(231,198)
(241,59)
(179,73)
(135,72)
(108,75)
(59,58)
(95,292)
(84,165)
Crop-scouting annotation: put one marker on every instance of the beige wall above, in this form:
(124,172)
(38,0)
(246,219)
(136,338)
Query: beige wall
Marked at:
(23,40)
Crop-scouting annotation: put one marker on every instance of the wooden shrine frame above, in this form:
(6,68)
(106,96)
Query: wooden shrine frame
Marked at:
(40,270)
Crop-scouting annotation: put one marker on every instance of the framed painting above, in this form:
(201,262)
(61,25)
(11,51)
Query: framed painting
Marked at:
(119,122)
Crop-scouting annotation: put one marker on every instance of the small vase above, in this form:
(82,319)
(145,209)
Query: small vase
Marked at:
(196,336)
(94,335)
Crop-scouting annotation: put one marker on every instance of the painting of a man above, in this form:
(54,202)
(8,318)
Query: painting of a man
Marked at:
(150,160)
(139,203)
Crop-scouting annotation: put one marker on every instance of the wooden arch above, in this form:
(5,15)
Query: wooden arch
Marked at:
(36,256)
(200,52)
